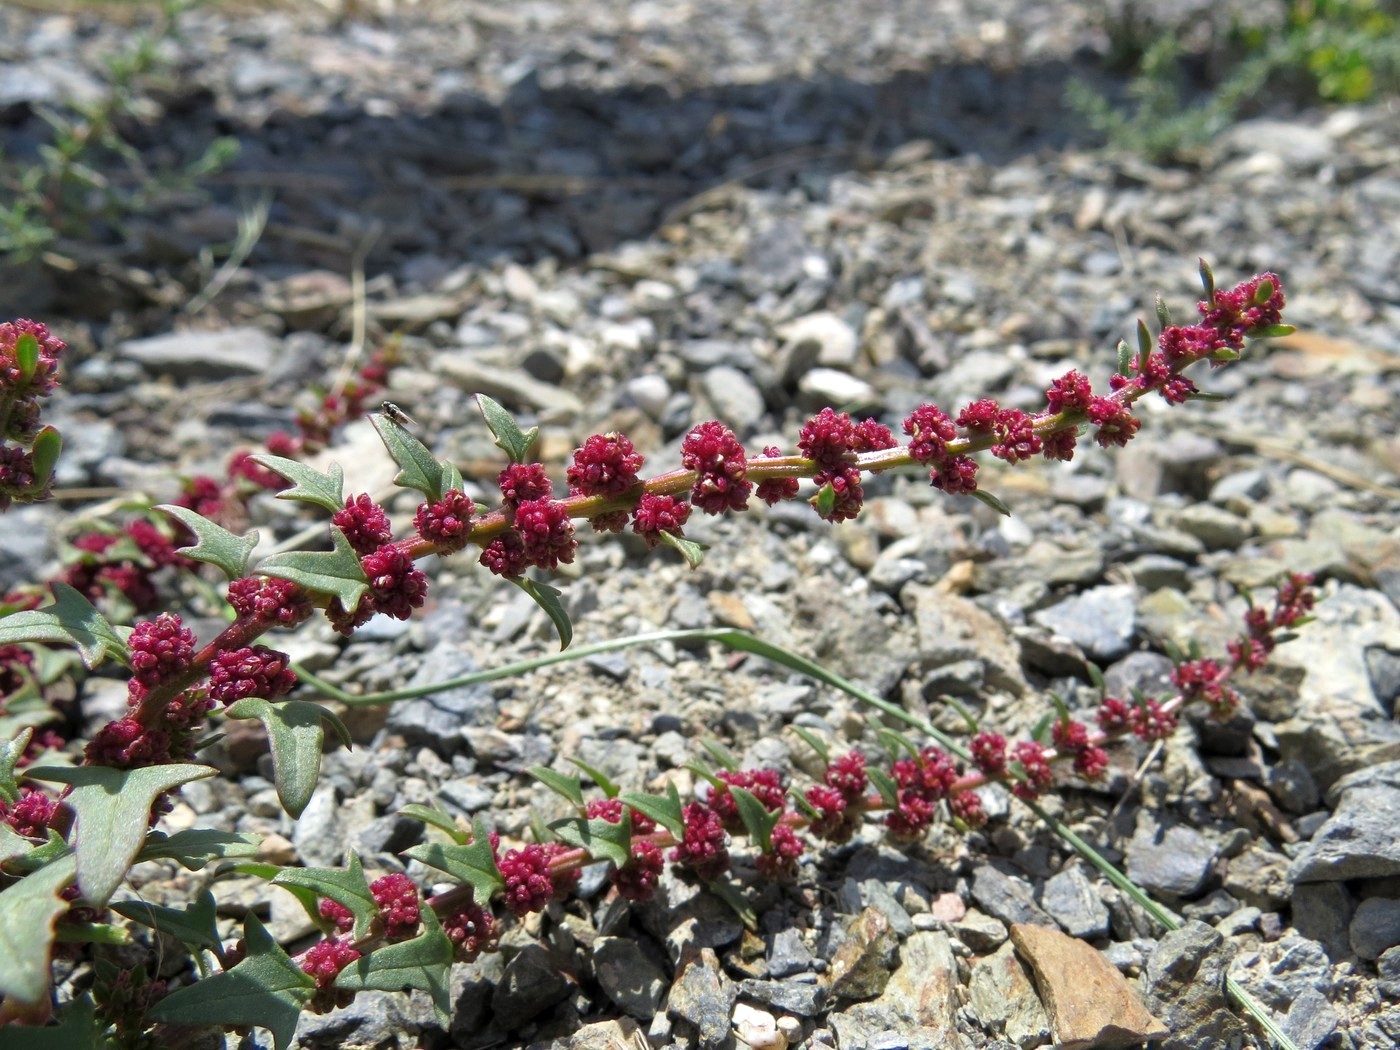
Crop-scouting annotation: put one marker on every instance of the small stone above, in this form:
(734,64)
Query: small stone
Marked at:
(1359,842)
(1322,912)
(1216,528)
(703,996)
(1006,898)
(861,966)
(628,976)
(1174,860)
(1101,621)
(1311,1020)
(757,1028)
(1184,984)
(1375,928)
(531,984)
(979,932)
(204,355)
(1072,901)
(735,397)
(1089,1003)
(1001,993)
(829,386)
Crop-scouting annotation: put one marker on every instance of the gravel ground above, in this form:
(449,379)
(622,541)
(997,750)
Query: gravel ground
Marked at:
(635,216)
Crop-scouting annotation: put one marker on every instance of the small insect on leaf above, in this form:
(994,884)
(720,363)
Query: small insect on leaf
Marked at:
(397,414)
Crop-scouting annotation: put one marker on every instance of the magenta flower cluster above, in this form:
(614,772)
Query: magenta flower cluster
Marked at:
(29,362)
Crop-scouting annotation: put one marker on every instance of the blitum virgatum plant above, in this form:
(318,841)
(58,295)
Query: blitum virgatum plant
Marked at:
(74,820)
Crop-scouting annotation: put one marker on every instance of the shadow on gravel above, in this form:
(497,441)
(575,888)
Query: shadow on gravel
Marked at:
(569,171)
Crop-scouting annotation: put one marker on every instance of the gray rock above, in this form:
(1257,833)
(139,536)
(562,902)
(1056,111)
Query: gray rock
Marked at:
(1383,667)
(1003,997)
(1311,1020)
(1259,877)
(1388,969)
(531,985)
(1145,671)
(1072,900)
(830,386)
(1184,986)
(819,339)
(203,355)
(1006,898)
(390,833)
(373,1018)
(788,954)
(1292,786)
(1152,572)
(319,833)
(443,719)
(703,997)
(735,397)
(1375,928)
(1101,621)
(628,976)
(804,1000)
(978,931)
(1174,860)
(1359,841)
(916,1009)
(1216,528)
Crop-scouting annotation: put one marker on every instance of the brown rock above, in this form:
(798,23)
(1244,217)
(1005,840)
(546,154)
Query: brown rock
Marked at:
(862,965)
(1089,1002)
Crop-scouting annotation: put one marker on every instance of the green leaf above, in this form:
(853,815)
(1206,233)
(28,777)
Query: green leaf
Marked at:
(1125,357)
(1207,281)
(1264,292)
(266,989)
(896,743)
(569,787)
(90,933)
(887,788)
(13,845)
(1097,678)
(308,485)
(26,356)
(69,620)
(547,598)
(692,552)
(295,736)
(665,811)
(1164,316)
(824,502)
(434,817)
(77,1029)
(194,848)
(472,863)
(214,543)
(598,777)
(509,438)
(539,832)
(43,453)
(451,477)
(727,759)
(10,753)
(758,820)
(1273,331)
(799,801)
(336,572)
(193,926)
(705,774)
(1144,338)
(111,810)
(28,912)
(423,963)
(346,886)
(418,467)
(992,501)
(1042,726)
(601,838)
(961,709)
(1224,356)
(815,742)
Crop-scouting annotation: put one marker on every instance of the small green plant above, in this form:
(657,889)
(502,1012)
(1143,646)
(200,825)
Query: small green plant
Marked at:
(76,815)
(1314,51)
(68,188)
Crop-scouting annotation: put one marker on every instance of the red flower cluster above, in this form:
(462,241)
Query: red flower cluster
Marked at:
(446,523)
(606,465)
(364,523)
(471,929)
(703,847)
(529,884)
(269,600)
(713,452)
(397,898)
(657,514)
(251,671)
